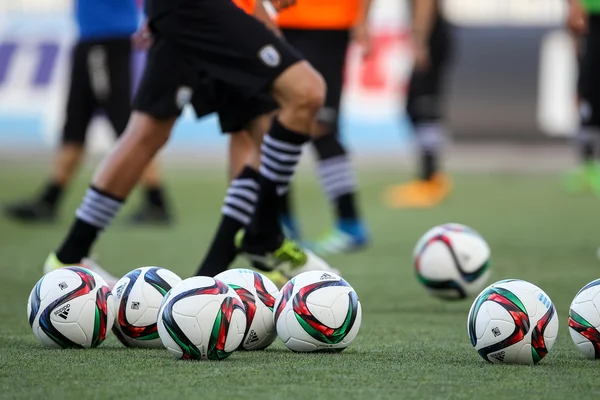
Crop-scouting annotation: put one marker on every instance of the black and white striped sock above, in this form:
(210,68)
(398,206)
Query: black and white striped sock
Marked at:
(238,208)
(281,152)
(279,161)
(98,209)
(240,199)
(336,176)
(95,213)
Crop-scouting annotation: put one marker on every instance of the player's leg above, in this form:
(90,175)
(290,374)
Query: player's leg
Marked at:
(586,177)
(78,114)
(326,51)
(242,194)
(166,86)
(424,108)
(117,103)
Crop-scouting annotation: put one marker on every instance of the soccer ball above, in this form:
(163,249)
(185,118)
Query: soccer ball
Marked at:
(584,320)
(201,318)
(258,294)
(317,311)
(513,321)
(70,307)
(452,261)
(138,296)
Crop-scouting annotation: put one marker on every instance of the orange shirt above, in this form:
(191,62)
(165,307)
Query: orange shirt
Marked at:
(321,14)
(246,5)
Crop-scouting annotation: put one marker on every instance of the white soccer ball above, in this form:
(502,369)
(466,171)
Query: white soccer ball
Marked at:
(452,261)
(317,311)
(201,318)
(138,296)
(258,294)
(513,321)
(71,307)
(584,320)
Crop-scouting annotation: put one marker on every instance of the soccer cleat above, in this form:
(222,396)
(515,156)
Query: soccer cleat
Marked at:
(30,211)
(344,238)
(150,215)
(584,179)
(290,259)
(418,193)
(52,263)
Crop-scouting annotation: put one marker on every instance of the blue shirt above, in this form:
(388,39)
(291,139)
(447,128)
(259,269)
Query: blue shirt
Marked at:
(106,19)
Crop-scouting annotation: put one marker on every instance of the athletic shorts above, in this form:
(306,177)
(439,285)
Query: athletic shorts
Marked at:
(234,109)
(100,80)
(425,87)
(589,77)
(207,40)
(326,51)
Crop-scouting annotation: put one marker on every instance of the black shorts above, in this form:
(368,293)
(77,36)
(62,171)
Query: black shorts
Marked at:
(423,102)
(100,80)
(199,40)
(234,109)
(589,77)
(326,51)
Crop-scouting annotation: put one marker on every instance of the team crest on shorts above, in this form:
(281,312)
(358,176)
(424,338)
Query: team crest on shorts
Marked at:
(269,55)
(183,96)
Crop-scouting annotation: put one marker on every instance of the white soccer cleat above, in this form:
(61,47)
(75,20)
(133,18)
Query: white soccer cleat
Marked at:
(52,263)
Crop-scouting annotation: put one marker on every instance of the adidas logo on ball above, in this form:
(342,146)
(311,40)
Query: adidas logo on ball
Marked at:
(252,337)
(63,312)
(326,276)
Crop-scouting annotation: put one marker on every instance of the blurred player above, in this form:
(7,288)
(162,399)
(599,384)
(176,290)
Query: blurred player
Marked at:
(101,78)
(322,31)
(198,43)
(584,22)
(431,36)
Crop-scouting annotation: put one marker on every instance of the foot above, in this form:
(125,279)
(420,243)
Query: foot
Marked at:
(346,237)
(277,277)
(419,193)
(150,215)
(52,263)
(30,211)
(584,179)
(289,258)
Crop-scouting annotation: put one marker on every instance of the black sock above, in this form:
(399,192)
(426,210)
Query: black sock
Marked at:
(237,211)
(429,165)
(155,196)
(95,213)
(336,176)
(51,194)
(281,152)
(586,140)
(78,242)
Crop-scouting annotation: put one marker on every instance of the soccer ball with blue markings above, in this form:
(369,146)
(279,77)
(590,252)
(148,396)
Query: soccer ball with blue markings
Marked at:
(71,307)
(452,261)
(584,320)
(514,322)
(201,318)
(138,296)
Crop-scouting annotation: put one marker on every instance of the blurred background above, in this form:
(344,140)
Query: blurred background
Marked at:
(512,81)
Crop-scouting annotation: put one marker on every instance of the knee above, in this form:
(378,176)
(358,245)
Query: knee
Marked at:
(148,132)
(307,93)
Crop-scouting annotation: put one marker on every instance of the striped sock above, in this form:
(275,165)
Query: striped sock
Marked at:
(336,176)
(241,198)
(281,152)
(238,208)
(95,213)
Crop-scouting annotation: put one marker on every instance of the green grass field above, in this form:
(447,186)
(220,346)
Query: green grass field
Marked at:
(410,346)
